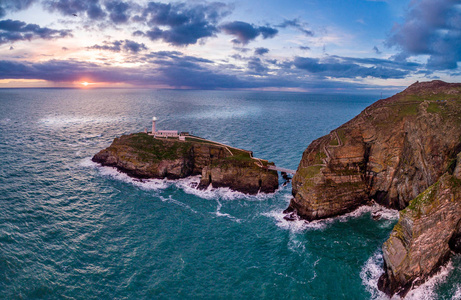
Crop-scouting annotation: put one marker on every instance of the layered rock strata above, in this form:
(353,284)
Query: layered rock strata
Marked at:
(426,233)
(401,152)
(142,156)
(391,152)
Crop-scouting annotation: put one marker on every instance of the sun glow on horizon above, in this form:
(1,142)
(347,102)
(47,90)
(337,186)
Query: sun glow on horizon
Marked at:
(86,84)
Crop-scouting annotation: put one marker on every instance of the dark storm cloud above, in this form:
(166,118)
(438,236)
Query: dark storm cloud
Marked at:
(13,30)
(261,51)
(92,8)
(13,5)
(431,28)
(339,67)
(117,46)
(245,32)
(182,24)
(295,23)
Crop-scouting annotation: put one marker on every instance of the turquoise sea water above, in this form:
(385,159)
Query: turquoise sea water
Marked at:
(70,229)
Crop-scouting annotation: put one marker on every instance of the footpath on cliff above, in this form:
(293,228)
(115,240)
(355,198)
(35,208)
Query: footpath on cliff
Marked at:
(141,155)
(403,153)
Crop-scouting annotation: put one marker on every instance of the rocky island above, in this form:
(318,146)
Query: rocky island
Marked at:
(404,153)
(142,155)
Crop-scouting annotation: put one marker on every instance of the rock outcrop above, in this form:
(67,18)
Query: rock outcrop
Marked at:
(143,156)
(402,152)
(391,152)
(426,233)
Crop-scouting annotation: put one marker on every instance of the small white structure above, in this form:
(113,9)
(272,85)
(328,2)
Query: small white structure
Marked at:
(153,124)
(162,133)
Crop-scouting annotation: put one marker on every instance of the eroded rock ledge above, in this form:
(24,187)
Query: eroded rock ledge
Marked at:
(143,156)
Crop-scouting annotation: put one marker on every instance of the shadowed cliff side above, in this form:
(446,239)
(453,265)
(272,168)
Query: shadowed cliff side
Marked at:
(143,156)
(427,231)
(391,152)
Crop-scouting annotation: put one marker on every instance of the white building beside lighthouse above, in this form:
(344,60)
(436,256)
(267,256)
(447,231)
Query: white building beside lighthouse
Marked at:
(162,133)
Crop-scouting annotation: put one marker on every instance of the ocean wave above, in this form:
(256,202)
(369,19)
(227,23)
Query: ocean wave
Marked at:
(457,294)
(146,184)
(179,203)
(188,185)
(218,213)
(373,269)
(301,225)
(5,121)
(68,120)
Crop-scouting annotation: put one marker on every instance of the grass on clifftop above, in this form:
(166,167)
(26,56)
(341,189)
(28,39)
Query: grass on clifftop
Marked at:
(149,148)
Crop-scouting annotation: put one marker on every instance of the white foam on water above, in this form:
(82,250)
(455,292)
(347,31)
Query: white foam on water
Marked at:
(457,295)
(426,291)
(146,184)
(295,225)
(383,212)
(301,225)
(179,203)
(370,274)
(88,163)
(190,184)
(218,213)
(63,120)
(373,269)
(296,245)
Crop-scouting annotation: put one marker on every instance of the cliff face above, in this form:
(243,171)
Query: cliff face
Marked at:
(142,156)
(391,152)
(428,229)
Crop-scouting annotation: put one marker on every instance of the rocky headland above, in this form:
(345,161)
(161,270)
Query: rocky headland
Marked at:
(401,152)
(142,156)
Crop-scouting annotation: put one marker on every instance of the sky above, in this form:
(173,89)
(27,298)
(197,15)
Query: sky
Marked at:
(338,46)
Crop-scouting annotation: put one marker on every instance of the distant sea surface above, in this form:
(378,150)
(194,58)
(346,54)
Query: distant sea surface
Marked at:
(71,229)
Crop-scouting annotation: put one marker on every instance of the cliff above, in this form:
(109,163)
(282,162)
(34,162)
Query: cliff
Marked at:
(143,156)
(427,231)
(391,152)
(402,152)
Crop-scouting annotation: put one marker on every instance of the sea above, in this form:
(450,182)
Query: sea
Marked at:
(71,229)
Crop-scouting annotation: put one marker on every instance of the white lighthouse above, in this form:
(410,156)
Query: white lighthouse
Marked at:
(153,125)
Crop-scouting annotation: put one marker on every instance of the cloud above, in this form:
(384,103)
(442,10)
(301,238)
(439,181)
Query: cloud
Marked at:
(304,48)
(255,64)
(245,32)
(118,11)
(430,28)
(92,8)
(181,24)
(13,30)
(261,51)
(117,46)
(295,23)
(376,50)
(174,70)
(343,67)
(13,5)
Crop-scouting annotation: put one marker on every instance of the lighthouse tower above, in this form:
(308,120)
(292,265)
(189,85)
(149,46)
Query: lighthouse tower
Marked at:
(153,125)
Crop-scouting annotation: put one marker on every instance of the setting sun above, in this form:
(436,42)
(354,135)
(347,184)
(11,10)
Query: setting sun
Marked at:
(85,83)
